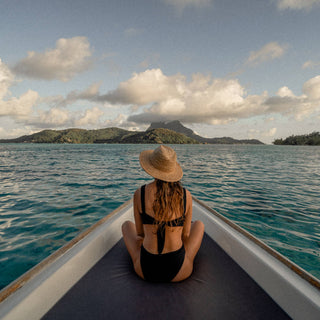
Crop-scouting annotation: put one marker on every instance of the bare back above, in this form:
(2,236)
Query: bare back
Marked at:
(173,235)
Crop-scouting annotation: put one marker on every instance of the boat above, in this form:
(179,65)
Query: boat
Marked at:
(236,276)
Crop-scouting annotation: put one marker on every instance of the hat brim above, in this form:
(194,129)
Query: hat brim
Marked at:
(172,176)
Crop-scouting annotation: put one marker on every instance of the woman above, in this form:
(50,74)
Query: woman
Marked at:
(163,242)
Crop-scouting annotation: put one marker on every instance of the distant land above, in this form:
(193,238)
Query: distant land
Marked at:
(172,132)
(312,139)
(178,127)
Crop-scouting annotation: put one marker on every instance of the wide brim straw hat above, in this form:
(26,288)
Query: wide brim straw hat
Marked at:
(161,164)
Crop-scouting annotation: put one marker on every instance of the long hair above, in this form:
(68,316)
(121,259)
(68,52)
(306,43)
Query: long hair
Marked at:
(168,203)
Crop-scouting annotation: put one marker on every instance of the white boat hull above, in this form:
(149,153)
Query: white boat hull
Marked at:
(36,292)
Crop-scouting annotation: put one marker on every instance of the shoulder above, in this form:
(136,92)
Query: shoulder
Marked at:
(137,195)
(137,200)
(188,199)
(188,194)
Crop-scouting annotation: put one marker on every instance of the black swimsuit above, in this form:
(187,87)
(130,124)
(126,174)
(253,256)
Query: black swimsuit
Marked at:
(161,267)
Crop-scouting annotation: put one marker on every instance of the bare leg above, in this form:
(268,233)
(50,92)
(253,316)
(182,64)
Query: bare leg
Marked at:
(133,243)
(193,242)
(192,245)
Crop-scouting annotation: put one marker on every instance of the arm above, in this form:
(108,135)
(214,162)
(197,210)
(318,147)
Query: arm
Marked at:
(136,212)
(187,222)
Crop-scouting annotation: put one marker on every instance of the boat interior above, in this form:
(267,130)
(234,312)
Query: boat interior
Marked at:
(217,289)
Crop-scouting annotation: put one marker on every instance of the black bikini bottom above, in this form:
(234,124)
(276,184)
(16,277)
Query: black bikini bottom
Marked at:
(161,267)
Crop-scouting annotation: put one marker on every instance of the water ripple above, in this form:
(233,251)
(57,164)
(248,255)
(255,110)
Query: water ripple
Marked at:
(50,193)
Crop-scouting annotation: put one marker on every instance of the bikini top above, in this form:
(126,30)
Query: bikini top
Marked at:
(161,232)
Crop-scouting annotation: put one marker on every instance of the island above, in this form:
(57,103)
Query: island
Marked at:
(312,139)
(172,132)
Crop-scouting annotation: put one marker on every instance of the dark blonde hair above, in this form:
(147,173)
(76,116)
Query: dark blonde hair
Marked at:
(168,203)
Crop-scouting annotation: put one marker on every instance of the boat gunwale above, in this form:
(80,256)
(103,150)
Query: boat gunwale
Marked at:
(312,280)
(34,271)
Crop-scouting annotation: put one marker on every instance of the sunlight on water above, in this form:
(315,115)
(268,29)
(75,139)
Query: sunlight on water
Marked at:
(50,193)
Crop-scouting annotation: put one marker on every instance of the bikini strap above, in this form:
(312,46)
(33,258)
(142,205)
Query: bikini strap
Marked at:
(184,200)
(143,208)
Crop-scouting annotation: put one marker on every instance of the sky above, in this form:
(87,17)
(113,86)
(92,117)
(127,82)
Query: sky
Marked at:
(243,69)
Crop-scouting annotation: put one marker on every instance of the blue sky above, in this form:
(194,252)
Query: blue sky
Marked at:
(244,69)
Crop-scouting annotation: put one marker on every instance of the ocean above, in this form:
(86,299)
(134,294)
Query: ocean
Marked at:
(49,193)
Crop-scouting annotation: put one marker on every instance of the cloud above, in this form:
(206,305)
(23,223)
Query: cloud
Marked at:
(90,94)
(57,117)
(90,117)
(204,99)
(21,110)
(13,106)
(6,79)
(312,88)
(10,132)
(285,92)
(310,64)
(270,51)
(19,107)
(144,88)
(68,58)
(286,103)
(297,4)
(180,5)
(262,134)
(271,132)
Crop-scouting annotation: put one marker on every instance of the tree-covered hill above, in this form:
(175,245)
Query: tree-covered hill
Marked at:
(312,139)
(160,136)
(177,126)
(71,136)
(159,132)
(108,135)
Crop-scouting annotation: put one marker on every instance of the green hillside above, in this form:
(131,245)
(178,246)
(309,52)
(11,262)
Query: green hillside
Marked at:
(160,136)
(159,132)
(108,135)
(312,139)
(177,126)
(70,136)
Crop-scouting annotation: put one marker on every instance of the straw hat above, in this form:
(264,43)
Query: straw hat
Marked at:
(161,164)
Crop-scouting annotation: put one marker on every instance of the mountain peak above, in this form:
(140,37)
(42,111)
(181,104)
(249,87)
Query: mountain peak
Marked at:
(174,125)
(177,126)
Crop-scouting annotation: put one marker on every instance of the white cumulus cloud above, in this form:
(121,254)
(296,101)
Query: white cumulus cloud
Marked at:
(270,51)
(297,4)
(144,88)
(312,88)
(88,94)
(286,103)
(90,117)
(19,107)
(14,106)
(6,79)
(310,64)
(55,117)
(285,92)
(69,57)
(204,99)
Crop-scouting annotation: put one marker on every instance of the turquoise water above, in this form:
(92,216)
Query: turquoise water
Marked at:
(50,193)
